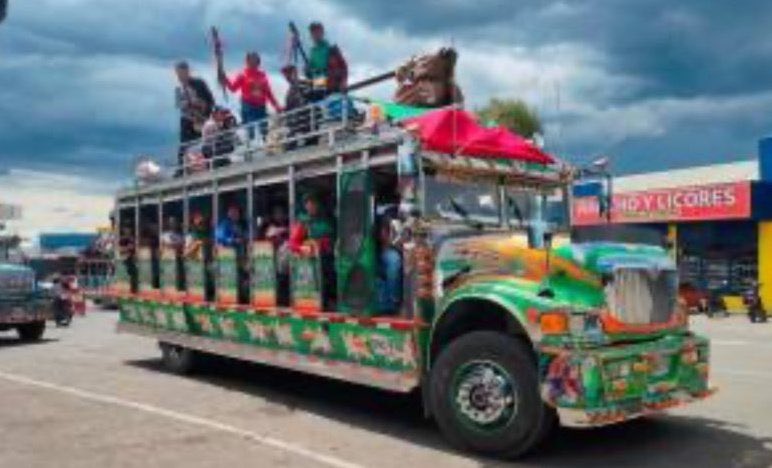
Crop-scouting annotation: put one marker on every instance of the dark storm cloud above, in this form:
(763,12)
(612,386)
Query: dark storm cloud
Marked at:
(88,83)
(685,48)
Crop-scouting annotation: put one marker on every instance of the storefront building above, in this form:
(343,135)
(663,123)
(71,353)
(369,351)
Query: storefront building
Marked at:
(717,221)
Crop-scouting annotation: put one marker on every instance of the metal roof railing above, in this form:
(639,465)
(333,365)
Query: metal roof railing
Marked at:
(319,124)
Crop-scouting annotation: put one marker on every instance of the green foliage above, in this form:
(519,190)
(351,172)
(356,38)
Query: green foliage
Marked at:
(513,114)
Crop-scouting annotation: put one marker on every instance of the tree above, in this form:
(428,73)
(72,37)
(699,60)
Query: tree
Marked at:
(3,9)
(513,114)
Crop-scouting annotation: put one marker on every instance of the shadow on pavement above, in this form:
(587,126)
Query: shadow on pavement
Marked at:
(655,441)
(9,339)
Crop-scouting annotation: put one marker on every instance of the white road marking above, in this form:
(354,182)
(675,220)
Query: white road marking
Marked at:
(743,373)
(729,342)
(186,418)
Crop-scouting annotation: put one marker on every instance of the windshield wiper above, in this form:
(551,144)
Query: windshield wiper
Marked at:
(461,211)
(516,209)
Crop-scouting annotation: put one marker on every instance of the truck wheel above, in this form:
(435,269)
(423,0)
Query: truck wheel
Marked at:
(31,331)
(484,392)
(177,359)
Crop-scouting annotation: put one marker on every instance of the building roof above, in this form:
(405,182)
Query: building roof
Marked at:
(690,176)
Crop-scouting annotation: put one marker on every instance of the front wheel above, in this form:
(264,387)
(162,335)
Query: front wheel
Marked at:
(31,331)
(177,359)
(484,392)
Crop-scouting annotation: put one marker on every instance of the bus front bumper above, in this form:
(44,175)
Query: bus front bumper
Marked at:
(601,386)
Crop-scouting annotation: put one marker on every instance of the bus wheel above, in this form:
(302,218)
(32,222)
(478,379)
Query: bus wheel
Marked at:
(32,331)
(484,392)
(177,359)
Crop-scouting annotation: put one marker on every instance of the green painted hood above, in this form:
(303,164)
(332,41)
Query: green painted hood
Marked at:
(491,265)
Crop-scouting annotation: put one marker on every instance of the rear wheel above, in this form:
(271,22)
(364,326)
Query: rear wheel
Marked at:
(31,331)
(177,359)
(484,393)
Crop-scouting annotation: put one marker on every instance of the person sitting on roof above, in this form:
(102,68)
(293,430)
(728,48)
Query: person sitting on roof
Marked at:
(220,139)
(255,89)
(299,121)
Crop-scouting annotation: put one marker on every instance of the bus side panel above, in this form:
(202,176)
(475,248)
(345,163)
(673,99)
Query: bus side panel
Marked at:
(264,281)
(227,276)
(379,346)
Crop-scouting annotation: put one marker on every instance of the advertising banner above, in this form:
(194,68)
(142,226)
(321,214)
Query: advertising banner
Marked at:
(695,203)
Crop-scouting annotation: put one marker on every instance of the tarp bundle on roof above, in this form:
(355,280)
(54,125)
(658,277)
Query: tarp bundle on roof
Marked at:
(454,131)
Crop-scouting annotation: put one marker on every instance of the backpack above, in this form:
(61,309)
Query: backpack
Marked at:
(337,70)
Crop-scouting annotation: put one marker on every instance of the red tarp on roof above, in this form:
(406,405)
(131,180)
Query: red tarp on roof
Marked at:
(454,131)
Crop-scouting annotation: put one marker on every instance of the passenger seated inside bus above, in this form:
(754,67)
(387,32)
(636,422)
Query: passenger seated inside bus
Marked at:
(313,224)
(173,237)
(200,240)
(388,282)
(232,232)
(276,230)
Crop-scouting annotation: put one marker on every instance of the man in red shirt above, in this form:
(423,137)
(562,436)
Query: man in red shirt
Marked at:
(255,90)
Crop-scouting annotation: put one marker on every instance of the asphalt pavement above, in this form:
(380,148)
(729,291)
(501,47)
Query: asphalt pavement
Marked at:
(88,397)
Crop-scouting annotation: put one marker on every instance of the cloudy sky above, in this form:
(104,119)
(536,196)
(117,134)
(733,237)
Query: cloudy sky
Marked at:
(86,85)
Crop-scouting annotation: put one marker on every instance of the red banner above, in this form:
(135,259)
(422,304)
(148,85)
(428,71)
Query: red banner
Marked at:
(697,203)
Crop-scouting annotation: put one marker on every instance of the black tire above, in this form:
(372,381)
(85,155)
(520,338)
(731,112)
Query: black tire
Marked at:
(177,359)
(512,435)
(31,331)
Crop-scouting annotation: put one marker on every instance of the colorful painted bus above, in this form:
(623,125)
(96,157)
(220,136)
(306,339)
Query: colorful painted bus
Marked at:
(502,324)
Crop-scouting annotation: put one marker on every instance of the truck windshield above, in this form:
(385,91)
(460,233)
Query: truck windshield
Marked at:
(462,201)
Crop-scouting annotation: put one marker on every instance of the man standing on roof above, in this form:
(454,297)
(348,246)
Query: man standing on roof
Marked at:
(327,68)
(255,90)
(194,100)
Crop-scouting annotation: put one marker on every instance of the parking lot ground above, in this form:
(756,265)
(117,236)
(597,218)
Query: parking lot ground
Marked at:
(86,396)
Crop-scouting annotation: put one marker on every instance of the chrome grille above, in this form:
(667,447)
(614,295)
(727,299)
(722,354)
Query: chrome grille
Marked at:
(16,283)
(640,296)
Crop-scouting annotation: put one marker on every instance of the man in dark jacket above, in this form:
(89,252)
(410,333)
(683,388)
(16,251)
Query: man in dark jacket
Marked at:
(195,102)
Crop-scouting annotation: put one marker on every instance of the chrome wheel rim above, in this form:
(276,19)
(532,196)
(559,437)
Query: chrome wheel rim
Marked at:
(484,395)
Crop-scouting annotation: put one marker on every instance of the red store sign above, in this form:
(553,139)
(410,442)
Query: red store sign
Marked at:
(697,203)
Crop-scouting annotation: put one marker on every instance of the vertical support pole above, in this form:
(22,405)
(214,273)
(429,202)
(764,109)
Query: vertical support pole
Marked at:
(137,206)
(215,222)
(137,241)
(338,170)
(116,253)
(291,183)
(250,209)
(159,252)
(160,210)
(185,211)
(765,263)
(250,235)
(672,240)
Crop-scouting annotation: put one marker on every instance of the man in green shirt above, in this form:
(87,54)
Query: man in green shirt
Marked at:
(327,69)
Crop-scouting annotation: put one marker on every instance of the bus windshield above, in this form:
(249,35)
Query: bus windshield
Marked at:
(462,201)
(536,212)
